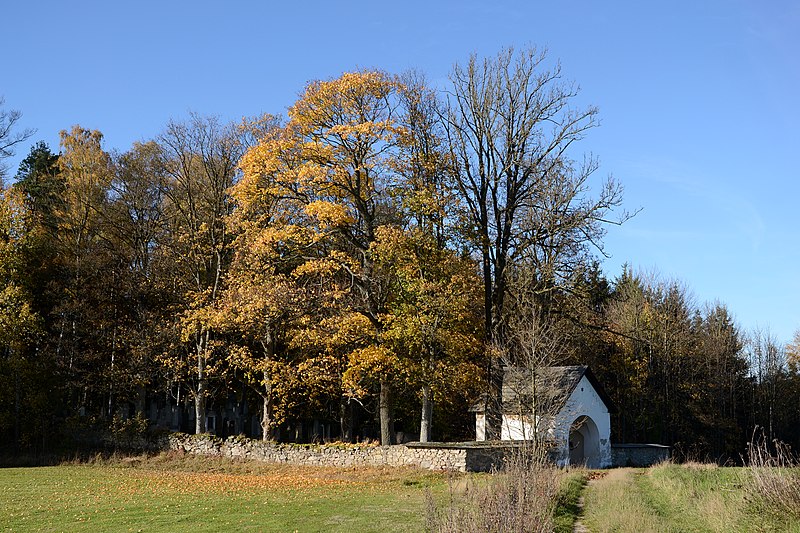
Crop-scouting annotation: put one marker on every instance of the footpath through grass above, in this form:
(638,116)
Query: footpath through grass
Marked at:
(193,494)
(676,498)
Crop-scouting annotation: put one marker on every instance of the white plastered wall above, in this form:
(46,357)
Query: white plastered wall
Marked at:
(480,426)
(585,402)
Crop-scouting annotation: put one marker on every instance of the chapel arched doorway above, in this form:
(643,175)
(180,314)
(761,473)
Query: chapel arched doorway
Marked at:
(584,443)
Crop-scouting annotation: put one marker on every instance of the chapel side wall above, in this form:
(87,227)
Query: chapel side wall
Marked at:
(480,427)
(516,427)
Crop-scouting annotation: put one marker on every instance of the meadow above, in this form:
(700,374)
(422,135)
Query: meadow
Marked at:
(173,492)
(206,494)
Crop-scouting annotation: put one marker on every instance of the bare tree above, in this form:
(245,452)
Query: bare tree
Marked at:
(767,363)
(8,138)
(533,345)
(510,125)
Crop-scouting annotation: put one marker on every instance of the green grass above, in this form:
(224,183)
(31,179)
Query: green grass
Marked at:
(567,510)
(161,495)
(173,492)
(675,498)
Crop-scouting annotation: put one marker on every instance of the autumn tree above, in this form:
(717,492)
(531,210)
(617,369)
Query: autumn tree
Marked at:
(20,325)
(84,328)
(336,157)
(511,125)
(267,293)
(199,160)
(431,316)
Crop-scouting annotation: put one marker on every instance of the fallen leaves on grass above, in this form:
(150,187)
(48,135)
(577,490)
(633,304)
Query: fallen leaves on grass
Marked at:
(215,483)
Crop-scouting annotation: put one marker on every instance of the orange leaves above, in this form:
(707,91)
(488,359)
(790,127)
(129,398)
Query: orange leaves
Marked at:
(336,145)
(354,163)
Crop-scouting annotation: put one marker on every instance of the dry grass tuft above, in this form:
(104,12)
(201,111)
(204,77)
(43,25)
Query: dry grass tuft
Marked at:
(520,499)
(774,478)
(694,465)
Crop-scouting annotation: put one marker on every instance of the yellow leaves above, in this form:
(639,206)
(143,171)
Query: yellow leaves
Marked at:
(317,267)
(339,333)
(259,160)
(83,163)
(14,231)
(325,103)
(369,364)
(368,131)
(328,214)
(18,321)
(12,214)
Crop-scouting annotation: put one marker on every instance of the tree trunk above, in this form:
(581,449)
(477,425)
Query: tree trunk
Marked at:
(427,414)
(266,417)
(494,415)
(17,408)
(346,421)
(202,386)
(200,405)
(199,413)
(385,415)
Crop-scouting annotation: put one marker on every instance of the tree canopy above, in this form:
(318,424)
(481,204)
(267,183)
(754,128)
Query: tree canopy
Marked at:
(360,269)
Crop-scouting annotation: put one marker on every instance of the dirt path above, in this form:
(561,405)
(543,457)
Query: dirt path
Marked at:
(595,478)
(579,526)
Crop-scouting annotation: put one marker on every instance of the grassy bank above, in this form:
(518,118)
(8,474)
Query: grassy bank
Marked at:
(677,498)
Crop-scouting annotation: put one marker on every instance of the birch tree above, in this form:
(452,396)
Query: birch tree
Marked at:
(199,159)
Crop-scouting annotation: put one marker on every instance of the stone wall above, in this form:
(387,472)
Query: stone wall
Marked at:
(472,457)
(639,455)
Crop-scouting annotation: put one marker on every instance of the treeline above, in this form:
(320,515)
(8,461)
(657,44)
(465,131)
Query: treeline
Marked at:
(367,263)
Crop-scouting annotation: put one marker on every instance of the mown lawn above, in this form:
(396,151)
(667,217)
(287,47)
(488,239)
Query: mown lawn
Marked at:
(212,495)
(676,498)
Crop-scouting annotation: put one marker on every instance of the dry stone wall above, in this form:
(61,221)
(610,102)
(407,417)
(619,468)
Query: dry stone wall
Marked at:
(639,455)
(434,456)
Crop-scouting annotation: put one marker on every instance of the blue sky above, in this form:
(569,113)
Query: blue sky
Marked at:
(698,102)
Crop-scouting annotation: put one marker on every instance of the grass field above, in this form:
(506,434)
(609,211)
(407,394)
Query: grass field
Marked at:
(185,493)
(677,498)
(193,494)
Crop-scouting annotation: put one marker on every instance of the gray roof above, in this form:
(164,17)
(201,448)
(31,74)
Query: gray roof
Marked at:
(544,389)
